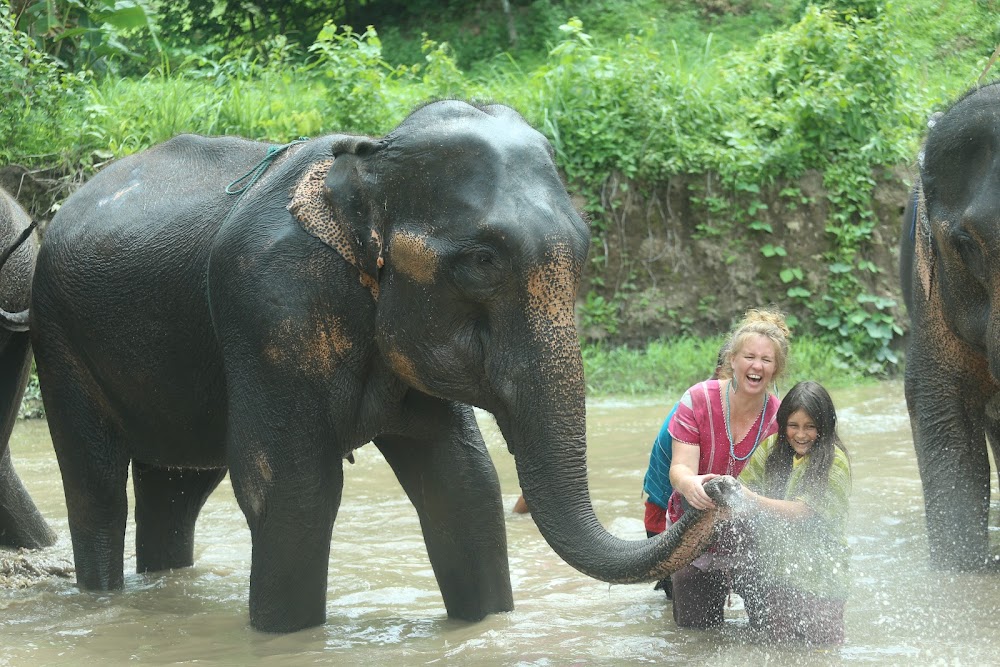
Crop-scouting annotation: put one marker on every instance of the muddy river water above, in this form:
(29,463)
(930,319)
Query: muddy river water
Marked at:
(383,604)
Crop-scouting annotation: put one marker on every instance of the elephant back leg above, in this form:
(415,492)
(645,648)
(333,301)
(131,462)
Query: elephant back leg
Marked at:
(448,475)
(167,503)
(21,524)
(93,461)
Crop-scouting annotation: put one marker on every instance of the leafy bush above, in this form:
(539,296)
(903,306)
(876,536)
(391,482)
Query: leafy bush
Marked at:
(33,92)
(826,94)
(92,35)
(642,101)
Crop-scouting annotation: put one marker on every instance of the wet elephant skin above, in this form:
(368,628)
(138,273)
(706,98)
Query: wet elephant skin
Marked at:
(216,304)
(21,524)
(950,266)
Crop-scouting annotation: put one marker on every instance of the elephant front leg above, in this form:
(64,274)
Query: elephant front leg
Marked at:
(449,477)
(948,434)
(290,493)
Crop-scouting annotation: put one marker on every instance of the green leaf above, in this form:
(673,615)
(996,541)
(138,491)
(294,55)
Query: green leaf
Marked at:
(126,15)
(770,250)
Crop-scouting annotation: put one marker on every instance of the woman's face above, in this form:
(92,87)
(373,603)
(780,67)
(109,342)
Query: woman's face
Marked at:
(754,364)
(801,432)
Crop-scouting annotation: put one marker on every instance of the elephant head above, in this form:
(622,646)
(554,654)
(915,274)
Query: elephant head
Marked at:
(950,264)
(474,251)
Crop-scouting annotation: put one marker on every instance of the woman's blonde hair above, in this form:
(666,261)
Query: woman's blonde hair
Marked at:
(768,322)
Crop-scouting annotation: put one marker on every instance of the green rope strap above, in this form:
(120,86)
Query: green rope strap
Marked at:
(249,178)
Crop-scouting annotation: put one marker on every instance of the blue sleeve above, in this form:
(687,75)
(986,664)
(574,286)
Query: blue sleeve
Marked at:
(656,484)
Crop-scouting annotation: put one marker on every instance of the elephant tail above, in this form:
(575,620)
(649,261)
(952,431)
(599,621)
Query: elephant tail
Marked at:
(16,321)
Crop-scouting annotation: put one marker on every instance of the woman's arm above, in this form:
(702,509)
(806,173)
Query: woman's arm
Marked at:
(685,478)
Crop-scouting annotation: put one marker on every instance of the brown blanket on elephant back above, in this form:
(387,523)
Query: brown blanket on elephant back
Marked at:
(311,207)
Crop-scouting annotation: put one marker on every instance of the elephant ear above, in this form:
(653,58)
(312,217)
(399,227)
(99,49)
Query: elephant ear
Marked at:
(923,241)
(332,202)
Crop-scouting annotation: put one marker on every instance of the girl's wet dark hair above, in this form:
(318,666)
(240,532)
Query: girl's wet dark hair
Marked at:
(815,400)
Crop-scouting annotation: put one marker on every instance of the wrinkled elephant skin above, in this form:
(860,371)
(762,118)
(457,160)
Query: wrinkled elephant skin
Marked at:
(21,525)
(950,265)
(352,289)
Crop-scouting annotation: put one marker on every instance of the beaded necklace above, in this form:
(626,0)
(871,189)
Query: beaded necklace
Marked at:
(733,458)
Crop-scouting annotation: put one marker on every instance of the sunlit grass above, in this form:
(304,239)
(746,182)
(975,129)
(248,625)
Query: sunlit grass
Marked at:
(668,367)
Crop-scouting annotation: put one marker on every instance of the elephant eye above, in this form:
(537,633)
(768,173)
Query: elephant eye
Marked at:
(479,267)
(971,254)
(486,257)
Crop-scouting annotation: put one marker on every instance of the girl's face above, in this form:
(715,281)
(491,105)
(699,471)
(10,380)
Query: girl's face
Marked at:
(801,432)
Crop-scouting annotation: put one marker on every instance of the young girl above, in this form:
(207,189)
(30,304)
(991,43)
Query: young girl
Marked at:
(795,580)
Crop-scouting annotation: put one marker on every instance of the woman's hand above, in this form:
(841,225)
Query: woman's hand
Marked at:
(694,491)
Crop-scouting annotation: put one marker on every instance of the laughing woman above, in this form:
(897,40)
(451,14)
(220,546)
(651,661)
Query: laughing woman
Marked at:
(717,427)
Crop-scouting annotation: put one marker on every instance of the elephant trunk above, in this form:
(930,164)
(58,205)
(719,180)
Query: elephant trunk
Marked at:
(544,424)
(552,469)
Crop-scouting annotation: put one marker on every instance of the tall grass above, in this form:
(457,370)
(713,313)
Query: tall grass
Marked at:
(668,367)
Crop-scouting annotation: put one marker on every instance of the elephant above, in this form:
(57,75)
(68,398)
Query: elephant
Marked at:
(950,274)
(215,304)
(21,524)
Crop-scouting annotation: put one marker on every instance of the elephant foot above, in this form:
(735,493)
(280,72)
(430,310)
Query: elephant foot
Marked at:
(21,524)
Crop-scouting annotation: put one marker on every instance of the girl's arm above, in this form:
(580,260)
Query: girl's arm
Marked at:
(685,478)
(789,509)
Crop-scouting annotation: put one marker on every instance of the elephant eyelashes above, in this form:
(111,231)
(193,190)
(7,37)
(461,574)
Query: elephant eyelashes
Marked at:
(971,255)
(479,269)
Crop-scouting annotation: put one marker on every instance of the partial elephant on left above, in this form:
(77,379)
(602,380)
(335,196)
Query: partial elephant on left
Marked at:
(21,524)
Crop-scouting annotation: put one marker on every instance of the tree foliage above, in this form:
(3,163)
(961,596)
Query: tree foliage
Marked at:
(823,86)
(88,34)
(34,90)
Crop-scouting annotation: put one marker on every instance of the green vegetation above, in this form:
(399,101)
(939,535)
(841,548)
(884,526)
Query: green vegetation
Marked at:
(629,92)
(669,367)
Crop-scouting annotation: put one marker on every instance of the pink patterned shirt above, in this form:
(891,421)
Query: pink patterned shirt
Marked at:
(700,420)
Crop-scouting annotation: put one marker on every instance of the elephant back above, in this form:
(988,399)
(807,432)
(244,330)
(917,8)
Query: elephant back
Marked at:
(15,276)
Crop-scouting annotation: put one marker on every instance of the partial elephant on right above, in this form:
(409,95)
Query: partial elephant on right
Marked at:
(950,271)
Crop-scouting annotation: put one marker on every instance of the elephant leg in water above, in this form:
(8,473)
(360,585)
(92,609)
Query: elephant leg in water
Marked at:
(21,524)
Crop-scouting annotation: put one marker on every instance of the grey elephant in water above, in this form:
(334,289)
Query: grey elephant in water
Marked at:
(188,320)
(950,270)
(21,524)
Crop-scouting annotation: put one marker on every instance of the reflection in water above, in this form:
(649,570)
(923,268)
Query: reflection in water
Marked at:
(384,607)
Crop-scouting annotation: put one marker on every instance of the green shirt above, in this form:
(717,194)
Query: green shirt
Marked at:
(809,554)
